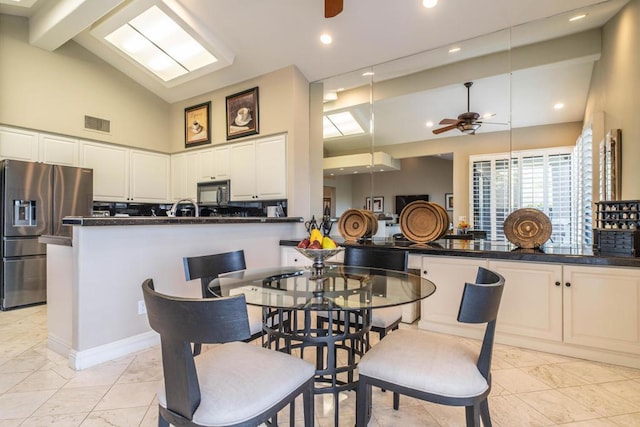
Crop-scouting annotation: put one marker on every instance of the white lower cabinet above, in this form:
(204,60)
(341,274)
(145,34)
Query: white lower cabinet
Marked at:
(602,307)
(439,311)
(532,299)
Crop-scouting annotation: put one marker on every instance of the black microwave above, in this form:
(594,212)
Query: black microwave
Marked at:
(214,193)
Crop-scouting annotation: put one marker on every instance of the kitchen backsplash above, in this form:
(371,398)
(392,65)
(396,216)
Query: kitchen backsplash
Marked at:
(238,209)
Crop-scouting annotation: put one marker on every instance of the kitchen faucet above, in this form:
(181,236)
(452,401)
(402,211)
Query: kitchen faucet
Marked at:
(174,208)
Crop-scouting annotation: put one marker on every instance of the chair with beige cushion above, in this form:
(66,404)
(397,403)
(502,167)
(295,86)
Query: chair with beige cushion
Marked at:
(232,384)
(209,267)
(435,367)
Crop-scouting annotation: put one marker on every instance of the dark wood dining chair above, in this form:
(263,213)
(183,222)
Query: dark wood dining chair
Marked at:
(436,367)
(383,320)
(209,267)
(235,383)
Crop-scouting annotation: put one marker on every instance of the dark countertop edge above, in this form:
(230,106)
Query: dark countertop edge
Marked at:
(55,240)
(149,220)
(514,255)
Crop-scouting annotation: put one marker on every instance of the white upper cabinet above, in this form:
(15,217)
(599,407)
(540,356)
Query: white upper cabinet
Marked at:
(58,150)
(185,173)
(18,144)
(110,166)
(149,177)
(258,169)
(213,164)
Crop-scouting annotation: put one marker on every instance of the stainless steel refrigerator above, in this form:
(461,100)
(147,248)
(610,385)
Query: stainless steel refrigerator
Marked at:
(35,197)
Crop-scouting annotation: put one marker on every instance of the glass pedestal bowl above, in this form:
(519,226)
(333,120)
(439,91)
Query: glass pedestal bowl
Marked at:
(318,256)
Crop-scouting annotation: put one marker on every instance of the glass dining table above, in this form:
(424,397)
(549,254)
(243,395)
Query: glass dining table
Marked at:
(292,298)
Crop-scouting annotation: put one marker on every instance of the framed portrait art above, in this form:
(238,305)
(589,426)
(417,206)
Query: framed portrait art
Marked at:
(377,206)
(242,114)
(197,129)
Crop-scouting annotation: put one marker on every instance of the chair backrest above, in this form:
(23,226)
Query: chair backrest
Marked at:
(182,321)
(376,258)
(480,304)
(209,267)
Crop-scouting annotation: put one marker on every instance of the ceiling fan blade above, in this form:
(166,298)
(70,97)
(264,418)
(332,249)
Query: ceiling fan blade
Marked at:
(444,129)
(449,121)
(332,8)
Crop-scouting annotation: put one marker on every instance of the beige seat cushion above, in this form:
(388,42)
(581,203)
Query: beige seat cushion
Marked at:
(238,381)
(424,361)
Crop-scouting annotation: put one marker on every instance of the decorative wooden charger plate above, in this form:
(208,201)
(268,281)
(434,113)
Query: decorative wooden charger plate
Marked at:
(527,228)
(423,222)
(356,223)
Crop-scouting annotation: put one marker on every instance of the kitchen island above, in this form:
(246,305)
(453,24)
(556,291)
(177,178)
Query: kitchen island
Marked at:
(95,307)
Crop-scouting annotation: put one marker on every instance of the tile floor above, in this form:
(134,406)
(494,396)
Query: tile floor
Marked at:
(37,388)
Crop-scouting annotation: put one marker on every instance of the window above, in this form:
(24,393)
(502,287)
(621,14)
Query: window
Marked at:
(540,179)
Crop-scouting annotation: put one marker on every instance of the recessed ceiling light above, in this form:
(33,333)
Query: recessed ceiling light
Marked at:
(326,38)
(577,17)
(454,50)
(429,124)
(558,106)
(368,73)
(429,3)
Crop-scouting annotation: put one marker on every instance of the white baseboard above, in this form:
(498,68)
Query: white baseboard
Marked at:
(79,360)
(58,345)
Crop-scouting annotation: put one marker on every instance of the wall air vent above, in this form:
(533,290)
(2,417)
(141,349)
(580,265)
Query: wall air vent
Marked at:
(97,124)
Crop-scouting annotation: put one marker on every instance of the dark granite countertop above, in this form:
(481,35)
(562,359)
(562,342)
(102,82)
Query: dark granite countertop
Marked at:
(165,220)
(493,250)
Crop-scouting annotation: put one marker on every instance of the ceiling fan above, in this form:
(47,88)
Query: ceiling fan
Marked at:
(332,8)
(466,122)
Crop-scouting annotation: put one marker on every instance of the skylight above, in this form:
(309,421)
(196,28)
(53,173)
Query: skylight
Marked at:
(341,124)
(158,43)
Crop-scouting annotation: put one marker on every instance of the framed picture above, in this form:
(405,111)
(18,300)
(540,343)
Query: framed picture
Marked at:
(242,114)
(197,130)
(378,204)
(448,201)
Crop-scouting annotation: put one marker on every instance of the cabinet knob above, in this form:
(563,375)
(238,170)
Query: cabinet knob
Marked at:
(558,283)
(568,284)
(425,272)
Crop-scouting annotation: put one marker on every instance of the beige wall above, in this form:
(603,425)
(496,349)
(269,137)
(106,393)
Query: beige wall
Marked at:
(53,91)
(614,98)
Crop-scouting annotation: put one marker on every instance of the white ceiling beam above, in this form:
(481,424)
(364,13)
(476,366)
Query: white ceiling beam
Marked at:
(60,21)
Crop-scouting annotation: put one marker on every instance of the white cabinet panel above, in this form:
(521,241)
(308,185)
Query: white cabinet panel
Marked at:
(258,169)
(602,307)
(149,176)
(110,166)
(213,164)
(449,274)
(17,144)
(532,299)
(58,150)
(184,176)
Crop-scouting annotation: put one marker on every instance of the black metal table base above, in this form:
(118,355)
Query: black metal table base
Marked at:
(350,335)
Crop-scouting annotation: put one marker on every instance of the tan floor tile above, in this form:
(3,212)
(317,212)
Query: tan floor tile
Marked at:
(21,405)
(510,411)
(65,420)
(593,372)
(10,380)
(104,374)
(132,395)
(628,420)
(446,416)
(627,390)
(558,407)
(597,397)
(41,380)
(115,417)
(415,415)
(150,417)
(600,422)
(11,423)
(554,376)
(72,400)
(517,381)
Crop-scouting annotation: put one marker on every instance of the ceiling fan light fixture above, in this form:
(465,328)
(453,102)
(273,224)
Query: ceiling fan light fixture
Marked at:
(326,38)
(468,128)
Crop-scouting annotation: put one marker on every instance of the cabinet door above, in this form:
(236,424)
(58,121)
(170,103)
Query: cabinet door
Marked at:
(440,310)
(149,177)
(17,144)
(221,163)
(57,150)
(242,168)
(532,299)
(602,307)
(110,166)
(271,168)
(178,176)
(205,165)
(290,257)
